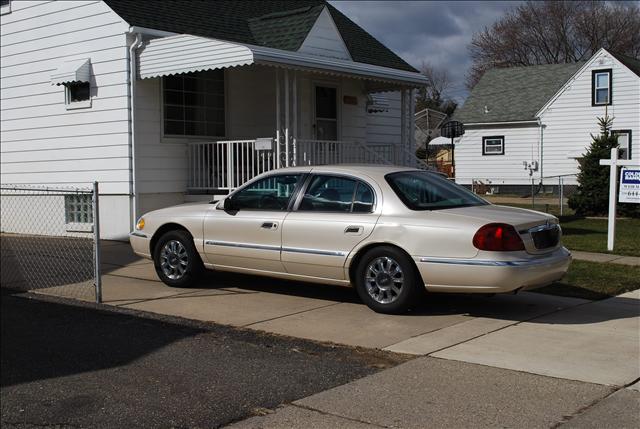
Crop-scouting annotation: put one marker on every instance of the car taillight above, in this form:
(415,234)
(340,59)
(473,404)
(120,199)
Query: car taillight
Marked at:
(498,237)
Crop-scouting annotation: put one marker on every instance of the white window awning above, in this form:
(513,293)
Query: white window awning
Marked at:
(184,53)
(72,71)
(377,103)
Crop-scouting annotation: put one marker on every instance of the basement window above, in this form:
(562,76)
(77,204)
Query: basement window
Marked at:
(77,95)
(78,208)
(493,145)
(601,87)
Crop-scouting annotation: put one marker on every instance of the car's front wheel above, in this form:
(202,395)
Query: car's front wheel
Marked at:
(176,259)
(387,281)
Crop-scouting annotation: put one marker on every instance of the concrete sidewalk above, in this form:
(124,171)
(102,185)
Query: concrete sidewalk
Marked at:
(606,258)
(437,393)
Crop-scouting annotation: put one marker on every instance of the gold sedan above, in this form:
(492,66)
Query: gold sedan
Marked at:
(390,232)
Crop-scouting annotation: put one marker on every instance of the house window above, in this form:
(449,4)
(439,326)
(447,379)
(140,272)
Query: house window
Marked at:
(601,87)
(624,143)
(5,6)
(493,145)
(77,92)
(194,104)
(78,208)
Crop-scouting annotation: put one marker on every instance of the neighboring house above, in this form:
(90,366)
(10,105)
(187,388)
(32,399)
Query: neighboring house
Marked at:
(439,154)
(163,101)
(534,123)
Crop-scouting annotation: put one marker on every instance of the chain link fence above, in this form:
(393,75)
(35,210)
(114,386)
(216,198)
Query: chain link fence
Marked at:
(49,240)
(550,195)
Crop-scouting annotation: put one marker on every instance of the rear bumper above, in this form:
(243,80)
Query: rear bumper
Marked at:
(492,276)
(140,244)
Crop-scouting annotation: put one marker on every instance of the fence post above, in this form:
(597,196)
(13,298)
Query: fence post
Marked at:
(561,191)
(533,196)
(96,242)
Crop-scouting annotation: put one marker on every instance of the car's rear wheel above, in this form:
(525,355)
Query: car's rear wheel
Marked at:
(387,281)
(176,260)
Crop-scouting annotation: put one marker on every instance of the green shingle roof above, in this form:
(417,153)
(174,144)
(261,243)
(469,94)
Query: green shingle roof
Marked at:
(514,93)
(279,24)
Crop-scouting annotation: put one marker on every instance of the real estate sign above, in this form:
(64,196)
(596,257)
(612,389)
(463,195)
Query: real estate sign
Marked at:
(629,185)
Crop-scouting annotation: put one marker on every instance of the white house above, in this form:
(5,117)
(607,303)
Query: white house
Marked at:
(165,102)
(534,123)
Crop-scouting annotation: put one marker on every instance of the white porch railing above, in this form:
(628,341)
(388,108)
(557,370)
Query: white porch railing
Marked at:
(225,165)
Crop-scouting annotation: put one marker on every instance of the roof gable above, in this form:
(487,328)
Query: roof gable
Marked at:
(324,39)
(514,94)
(279,24)
(601,55)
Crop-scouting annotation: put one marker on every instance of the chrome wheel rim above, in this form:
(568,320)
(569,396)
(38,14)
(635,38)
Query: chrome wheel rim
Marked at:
(174,259)
(384,280)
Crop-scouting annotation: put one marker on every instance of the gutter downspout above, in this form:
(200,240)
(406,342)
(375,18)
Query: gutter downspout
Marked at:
(541,149)
(131,79)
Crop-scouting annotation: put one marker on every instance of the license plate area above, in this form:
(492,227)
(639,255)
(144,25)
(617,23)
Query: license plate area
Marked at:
(546,237)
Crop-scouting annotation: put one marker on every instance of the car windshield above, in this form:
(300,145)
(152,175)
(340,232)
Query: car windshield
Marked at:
(421,190)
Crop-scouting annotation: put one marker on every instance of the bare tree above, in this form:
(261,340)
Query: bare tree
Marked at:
(433,94)
(551,32)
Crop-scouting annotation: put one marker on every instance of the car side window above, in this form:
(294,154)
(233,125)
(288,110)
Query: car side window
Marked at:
(336,194)
(363,201)
(272,193)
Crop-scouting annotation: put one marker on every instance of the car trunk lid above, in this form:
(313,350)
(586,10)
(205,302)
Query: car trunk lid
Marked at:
(540,232)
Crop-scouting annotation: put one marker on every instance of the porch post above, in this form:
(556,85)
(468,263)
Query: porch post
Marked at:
(403,124)
(278,124)
(295,117)
(287,122)
(412,124)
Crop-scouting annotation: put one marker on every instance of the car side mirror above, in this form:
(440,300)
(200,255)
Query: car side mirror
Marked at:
(229,204)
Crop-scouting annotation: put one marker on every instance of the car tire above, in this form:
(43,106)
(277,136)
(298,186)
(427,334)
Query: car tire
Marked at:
(397,286)
(176,259)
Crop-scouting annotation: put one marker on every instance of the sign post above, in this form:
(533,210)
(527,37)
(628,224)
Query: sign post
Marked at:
(613,164)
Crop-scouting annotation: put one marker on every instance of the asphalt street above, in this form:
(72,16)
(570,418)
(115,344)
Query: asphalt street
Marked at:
(73,366)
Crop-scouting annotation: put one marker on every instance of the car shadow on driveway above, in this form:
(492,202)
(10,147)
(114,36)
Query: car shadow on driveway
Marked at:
(509,307)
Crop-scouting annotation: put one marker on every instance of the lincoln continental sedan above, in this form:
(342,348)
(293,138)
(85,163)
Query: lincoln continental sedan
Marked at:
(390,232)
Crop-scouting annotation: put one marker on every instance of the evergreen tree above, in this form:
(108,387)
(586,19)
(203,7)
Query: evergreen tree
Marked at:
(592,196)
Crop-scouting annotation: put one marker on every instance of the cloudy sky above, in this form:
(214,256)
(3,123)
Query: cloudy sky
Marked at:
(436,32)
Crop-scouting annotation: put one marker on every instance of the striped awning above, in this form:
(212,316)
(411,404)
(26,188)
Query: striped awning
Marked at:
(184,53)
(72,71)
(377,103)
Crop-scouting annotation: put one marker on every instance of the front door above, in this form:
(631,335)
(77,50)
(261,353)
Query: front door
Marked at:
(250,236)
(326,112)
(334,215)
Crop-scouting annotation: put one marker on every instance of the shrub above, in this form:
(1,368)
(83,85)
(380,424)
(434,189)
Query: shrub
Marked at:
(592,195)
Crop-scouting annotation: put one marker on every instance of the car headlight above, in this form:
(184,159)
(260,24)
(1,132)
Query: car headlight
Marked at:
(140,224)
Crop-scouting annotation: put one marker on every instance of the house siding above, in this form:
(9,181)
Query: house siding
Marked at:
(570,120)
(521,143)
(324,39)
(384,127)
(41,141)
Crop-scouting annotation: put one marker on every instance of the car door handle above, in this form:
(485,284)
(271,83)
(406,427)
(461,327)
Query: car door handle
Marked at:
(353,229)
(269,225)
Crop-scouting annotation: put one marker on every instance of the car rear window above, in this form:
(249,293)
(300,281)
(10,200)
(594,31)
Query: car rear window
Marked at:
(421,190)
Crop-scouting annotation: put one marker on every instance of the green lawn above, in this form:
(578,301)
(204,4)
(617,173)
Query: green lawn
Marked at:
(590,235)
(593,280)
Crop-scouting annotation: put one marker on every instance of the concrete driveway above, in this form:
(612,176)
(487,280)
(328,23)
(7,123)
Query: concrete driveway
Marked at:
(568,338)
